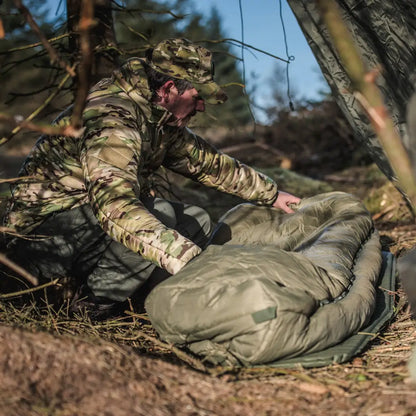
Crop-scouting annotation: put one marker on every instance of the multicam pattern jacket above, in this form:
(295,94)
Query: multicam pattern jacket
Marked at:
(126,138)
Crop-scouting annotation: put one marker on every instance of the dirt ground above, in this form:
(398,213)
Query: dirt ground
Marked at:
(50,365)
(59,374)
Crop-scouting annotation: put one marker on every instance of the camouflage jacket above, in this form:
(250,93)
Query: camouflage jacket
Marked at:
(126,138)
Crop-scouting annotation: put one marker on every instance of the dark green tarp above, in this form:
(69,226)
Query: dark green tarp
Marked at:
(385,34)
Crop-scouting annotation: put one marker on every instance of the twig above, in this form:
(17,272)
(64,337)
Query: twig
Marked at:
(13,64)
(30,237)
(20,270)
(14,95)
(194,362)
(138,315)
(9,66)
(130,10)
(6,230)
(31,290)
(69,130)
(2,33)
(84,69)
(33,45)
(233,84)
(41,128)
(139,34)
(51,50)
(246,45)
(44,104)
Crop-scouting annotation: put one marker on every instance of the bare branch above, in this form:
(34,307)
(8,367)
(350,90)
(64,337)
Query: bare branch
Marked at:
(14,95)
(2,34)
(29,237)
(33,45)
(369,96)
(121,8)
(20,270)
(245,45)
(51,50)
(12,64)
(20,123)
(84,69)
(233,84)
(135,32)
(26,291)
(7,230)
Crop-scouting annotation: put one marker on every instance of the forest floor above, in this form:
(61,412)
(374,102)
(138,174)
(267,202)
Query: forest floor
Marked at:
(53,365)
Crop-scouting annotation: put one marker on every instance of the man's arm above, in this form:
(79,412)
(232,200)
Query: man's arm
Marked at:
(193,157)
(110,159)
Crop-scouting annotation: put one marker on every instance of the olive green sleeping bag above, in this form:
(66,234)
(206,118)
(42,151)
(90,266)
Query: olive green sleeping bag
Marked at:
(272,285)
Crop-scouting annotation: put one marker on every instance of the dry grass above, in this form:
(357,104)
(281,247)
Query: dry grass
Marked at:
(128,370)
(120,367)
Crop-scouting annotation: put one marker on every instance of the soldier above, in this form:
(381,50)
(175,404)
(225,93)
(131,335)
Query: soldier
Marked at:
(90,196)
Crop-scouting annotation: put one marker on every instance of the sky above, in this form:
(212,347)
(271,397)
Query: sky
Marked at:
(263,30)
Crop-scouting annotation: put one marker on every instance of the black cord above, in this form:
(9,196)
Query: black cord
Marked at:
(244,64)
(242,43)
(290,58)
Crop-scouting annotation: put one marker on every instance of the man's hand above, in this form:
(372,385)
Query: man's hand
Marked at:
(284,200)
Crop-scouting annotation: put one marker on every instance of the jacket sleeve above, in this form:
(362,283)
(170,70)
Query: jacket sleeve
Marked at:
(192,156)
(110,157)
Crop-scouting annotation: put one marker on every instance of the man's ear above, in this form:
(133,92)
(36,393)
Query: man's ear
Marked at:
(165,89)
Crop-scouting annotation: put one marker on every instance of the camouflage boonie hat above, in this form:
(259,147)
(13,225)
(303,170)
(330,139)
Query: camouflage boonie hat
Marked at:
(180,58)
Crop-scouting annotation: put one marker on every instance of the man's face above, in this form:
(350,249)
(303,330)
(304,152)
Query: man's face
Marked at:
(183,106)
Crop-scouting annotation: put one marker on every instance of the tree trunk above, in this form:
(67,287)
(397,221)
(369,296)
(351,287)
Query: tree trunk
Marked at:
(102,37)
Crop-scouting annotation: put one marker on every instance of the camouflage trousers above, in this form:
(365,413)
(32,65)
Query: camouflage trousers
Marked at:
(72,244)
